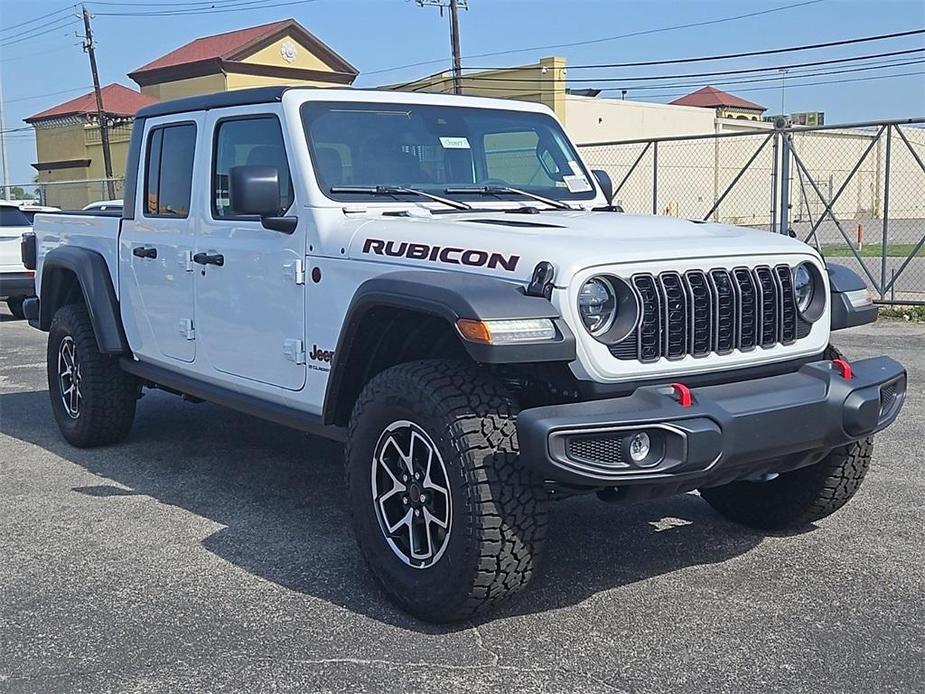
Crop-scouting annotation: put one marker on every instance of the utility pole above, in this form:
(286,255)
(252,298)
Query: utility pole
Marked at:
(100,112)
(453,6)
(6,165)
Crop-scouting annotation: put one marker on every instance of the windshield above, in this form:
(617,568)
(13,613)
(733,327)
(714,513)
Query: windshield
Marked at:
(433,148)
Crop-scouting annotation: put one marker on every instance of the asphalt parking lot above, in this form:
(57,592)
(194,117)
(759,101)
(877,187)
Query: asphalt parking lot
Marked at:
(212,553)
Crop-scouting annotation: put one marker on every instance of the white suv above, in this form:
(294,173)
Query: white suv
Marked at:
(16,282)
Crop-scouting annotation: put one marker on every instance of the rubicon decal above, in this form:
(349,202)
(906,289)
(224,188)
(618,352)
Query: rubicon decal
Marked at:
(441,254)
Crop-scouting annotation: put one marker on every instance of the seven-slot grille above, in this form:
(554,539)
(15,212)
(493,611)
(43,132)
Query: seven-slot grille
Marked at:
(698,313)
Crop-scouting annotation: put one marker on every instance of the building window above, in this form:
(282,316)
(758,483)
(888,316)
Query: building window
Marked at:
(169,170)
(248,142)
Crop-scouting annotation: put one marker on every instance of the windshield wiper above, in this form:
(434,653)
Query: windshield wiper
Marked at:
(400,190)
(499,190)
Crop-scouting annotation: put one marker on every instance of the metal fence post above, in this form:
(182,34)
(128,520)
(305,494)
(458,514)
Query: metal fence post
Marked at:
(886,211)
(784,225)
(775,149)
(655,177)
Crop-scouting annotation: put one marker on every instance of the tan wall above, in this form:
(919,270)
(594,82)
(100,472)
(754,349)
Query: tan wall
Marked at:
(589,119)
(239,81)
(271,55)
(542,82)
(61,143)
(193,86)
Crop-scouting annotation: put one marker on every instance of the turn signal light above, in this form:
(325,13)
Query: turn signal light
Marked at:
(502,332)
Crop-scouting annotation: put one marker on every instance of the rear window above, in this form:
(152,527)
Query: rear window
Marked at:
(12,217)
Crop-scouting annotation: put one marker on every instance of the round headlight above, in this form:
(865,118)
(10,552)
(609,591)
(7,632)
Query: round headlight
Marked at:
(597,305)
(804,286)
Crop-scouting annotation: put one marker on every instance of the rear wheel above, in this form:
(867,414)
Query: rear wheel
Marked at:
(92,399)
(446,516)
(14,303)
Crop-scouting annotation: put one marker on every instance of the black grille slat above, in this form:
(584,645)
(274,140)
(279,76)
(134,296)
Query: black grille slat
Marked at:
(676,323)
(725,323)
(769,305)
(788,305)
(749,318)
(701,313)
(649,338)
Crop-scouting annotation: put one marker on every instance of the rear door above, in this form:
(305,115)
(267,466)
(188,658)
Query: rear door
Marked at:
(251,308)
(156,277)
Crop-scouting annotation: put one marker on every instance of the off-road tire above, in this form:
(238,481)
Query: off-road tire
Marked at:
(14,303)
(498,508)
(108,394)
(800,497)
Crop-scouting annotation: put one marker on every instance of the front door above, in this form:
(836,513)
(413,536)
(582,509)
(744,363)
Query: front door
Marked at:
(251,307)
(156,278)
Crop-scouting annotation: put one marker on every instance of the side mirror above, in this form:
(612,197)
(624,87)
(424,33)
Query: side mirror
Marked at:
(254,190)
(603,180)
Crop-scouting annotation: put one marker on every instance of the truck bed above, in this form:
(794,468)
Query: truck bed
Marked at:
(95,231)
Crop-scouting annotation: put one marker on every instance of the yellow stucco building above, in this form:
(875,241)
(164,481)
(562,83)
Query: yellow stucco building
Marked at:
(67,136)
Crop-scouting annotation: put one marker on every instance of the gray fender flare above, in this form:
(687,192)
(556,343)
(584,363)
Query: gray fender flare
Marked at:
(844,314)
(450,296)
(96,286)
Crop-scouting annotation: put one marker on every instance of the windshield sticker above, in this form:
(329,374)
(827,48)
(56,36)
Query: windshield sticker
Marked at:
(573,165)
(577,184)
(454,143)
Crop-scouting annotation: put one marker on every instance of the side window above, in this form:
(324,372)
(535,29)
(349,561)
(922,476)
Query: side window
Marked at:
(169,170)
(248,142)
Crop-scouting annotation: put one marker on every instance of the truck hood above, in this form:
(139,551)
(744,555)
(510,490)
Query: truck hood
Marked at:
(510,245)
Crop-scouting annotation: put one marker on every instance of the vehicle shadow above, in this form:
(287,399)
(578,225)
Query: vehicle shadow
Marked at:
(279,494)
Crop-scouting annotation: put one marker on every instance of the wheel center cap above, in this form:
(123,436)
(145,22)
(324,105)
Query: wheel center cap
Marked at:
(415,494)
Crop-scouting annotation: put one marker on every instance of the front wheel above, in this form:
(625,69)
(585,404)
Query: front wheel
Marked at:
(92,399)
(446,516)
(797,498)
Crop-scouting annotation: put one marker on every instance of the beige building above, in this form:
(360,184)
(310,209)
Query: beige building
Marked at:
(67,136)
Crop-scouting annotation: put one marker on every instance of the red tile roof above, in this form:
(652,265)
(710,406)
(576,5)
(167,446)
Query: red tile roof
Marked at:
(234,45)
(711,97)
(117,101)
(212,47)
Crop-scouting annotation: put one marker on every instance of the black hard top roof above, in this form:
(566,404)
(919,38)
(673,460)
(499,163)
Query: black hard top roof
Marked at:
(236,97)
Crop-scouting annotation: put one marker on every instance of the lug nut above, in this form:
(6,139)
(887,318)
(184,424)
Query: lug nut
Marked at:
(417,475)
(417,512)
(424,498)
(404,500)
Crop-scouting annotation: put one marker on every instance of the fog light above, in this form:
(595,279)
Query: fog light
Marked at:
(639,447)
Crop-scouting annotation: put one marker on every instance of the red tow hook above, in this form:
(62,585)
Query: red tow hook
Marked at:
(844,368)
(683,394)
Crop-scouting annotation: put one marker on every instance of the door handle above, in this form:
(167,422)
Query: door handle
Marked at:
(144,252)
(209,259)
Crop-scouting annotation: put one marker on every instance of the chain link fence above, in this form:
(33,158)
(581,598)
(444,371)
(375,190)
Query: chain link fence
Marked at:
(66,195)
(853,191)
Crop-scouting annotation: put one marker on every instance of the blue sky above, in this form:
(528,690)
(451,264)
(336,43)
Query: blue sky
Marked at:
(44,70)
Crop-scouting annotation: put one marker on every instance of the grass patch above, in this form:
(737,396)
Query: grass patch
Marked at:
(872,250)
(914,314)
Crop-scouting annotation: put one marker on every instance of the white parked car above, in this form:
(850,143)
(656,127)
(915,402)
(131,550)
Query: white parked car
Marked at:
(442,283)
(105,206)
(16,282)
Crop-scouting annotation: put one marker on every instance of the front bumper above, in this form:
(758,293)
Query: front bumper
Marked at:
(730,431)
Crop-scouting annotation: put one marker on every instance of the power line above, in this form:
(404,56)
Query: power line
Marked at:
(244,6)
(40,96)
(746,54)
(36,19)
(718,73)
(69,21)
(604,39)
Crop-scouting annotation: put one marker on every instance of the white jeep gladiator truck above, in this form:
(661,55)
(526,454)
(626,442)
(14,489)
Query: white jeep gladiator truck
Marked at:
(441,283)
